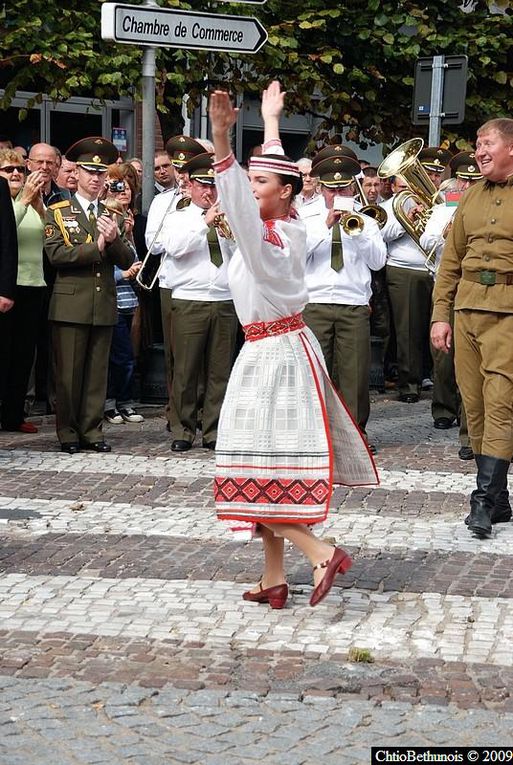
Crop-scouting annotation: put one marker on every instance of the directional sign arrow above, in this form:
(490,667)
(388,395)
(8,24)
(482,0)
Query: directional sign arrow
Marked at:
(168,28)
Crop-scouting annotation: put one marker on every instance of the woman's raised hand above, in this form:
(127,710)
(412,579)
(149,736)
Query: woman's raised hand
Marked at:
(223,115)
(272,100)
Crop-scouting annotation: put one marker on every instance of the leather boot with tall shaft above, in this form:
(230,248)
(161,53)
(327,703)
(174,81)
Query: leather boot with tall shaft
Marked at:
(491,477)
(501,513)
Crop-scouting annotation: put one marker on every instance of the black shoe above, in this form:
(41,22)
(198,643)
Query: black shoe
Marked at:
(181,446)
(97,446)
(466,453)
(443,423)
(209,445)
(70,448)
(497,516)
(408,398)
(372,448)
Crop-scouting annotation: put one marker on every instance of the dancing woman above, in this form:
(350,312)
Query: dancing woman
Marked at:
(284,435)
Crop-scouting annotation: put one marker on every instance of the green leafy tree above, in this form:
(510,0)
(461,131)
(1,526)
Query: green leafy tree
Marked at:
(350,63)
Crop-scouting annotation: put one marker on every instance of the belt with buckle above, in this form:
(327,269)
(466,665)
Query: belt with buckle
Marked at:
(488,278)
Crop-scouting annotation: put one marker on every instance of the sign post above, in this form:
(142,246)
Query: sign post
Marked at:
(439,93)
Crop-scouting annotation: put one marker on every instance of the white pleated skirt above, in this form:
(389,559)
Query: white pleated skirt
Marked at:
(285,436)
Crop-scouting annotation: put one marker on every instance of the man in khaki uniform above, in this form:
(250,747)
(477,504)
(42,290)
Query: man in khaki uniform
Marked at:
(203,323)
(82,242)
(476,279)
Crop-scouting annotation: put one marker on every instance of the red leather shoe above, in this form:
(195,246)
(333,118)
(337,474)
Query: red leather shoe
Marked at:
(28,427)
(276,596)
(25,427)
(340,563)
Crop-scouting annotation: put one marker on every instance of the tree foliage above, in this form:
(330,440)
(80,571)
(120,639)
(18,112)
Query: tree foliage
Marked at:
(350,62)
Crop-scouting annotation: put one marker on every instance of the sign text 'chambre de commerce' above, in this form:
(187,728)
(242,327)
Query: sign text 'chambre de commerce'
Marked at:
(162,27)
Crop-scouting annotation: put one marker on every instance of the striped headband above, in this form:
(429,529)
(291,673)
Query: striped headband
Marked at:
(273,165)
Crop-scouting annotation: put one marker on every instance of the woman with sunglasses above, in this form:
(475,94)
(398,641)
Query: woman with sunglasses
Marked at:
(284,436)
(23,319)
(121,189)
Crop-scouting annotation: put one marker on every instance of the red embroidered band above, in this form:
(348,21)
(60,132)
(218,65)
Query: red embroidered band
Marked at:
(268,164)
(261,329)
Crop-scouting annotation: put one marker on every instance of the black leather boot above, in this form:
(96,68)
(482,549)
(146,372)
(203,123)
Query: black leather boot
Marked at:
(491,476)
(501,513)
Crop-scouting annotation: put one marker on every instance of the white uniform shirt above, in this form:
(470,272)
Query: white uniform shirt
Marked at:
(160,206)
(440,216)
(188,268)
(300,201)
(266,271)
(402,250)
(352,284)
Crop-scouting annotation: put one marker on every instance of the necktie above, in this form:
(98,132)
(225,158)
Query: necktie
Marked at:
(91,215)
(214,247)
(337,256)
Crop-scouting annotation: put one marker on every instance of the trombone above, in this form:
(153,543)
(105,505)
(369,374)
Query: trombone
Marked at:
(152,264)
(421,191)
(373,211)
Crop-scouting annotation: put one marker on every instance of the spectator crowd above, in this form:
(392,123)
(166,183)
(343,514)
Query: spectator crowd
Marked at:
(77,257)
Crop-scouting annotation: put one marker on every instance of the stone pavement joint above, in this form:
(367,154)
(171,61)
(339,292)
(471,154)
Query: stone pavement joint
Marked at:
(121,557)
(150,667)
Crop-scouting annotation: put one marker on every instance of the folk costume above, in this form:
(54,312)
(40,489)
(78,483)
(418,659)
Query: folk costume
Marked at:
(284,437)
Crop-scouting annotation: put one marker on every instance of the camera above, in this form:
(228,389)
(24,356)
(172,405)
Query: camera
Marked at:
(116,186)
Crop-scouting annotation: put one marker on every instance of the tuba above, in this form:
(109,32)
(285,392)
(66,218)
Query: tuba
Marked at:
(421,192)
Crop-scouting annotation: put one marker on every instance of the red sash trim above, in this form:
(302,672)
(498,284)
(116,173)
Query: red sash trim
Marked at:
(265,491)
(259,330)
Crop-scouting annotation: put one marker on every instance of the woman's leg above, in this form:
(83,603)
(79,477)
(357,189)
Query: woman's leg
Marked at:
(300,535)
(274,572)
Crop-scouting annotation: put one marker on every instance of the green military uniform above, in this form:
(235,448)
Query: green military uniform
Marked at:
(476,276)
(83,311)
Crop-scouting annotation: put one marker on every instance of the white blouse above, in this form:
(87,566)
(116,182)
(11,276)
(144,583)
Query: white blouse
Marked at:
(267,271)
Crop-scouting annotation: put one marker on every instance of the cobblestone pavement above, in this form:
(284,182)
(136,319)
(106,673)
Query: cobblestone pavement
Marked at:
(124,638)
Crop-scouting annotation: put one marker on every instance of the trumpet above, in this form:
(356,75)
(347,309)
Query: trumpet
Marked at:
(222,226)
(352,224)
(421,192)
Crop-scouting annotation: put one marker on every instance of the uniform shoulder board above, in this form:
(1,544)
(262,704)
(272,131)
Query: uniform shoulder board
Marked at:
(183,203)
(57,205)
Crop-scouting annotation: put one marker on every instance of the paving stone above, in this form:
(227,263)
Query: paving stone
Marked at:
(139,591)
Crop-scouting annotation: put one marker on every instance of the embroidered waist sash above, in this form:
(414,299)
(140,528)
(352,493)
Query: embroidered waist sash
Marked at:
(259,330)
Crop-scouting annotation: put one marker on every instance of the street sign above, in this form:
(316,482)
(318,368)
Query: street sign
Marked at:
(453,87)
(168,28)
